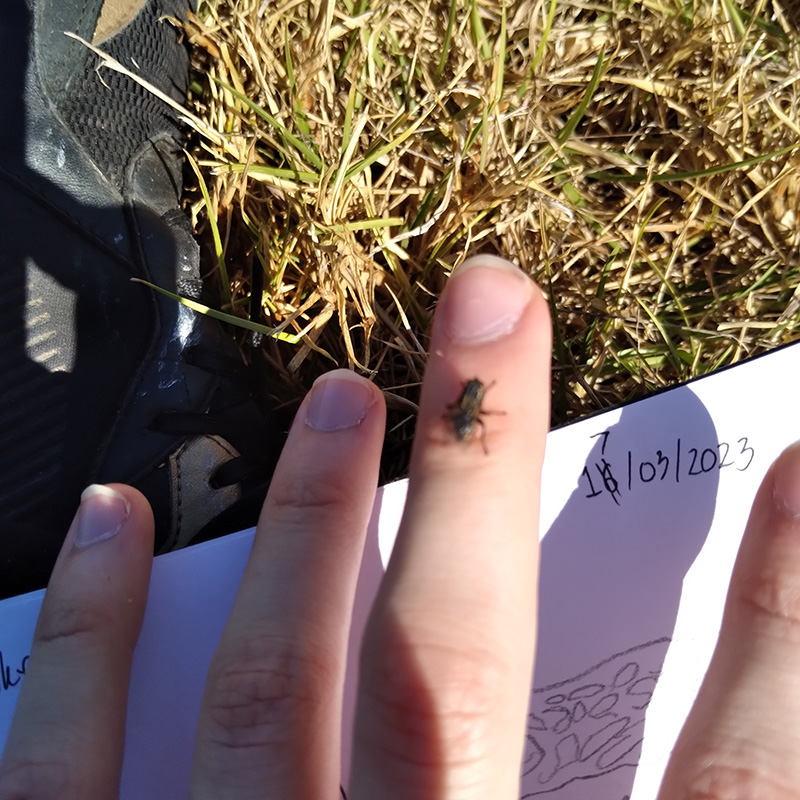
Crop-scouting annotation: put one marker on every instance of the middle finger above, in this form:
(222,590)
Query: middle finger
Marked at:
(270,721)
(448,655)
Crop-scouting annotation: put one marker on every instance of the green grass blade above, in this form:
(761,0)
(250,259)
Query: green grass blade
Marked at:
(212,221)
(274,172)
(289,138)
(300,114)
(765,25)
(364,224)
(548,24)
(735,17)
(479,32)
(380,152)
(577,115)
(222,316)
(677,360)
(353,12)
(448,38)
(348,116)
(719,169)
(501,57)
(485,139)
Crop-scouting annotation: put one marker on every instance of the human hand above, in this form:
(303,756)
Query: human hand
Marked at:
(448,654)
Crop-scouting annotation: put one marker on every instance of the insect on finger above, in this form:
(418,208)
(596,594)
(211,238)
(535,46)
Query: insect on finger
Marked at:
(465,414)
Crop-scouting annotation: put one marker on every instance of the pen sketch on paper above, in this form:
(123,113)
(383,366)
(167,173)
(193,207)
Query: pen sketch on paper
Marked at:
(592,724)
(613,563)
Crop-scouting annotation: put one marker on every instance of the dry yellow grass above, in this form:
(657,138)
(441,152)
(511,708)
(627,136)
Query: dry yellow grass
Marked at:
(638,159)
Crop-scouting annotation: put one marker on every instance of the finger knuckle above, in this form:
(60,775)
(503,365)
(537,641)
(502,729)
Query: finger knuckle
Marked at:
(257,695)
(326,492)
(771,602)
(435,702)
(69,621)
(718,780)
(26,779)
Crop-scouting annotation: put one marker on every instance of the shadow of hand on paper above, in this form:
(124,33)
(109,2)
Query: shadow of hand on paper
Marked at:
(612,568)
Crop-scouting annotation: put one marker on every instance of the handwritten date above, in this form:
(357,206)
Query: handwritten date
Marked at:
(675,463)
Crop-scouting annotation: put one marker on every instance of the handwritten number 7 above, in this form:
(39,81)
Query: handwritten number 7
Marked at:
(604,434)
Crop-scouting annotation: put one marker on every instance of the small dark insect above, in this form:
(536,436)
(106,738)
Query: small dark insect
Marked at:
(465,414)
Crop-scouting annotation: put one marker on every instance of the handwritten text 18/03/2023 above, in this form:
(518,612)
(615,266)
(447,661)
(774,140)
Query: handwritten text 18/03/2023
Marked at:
(674,463)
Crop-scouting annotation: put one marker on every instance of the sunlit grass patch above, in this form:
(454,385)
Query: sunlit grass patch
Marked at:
(639,160)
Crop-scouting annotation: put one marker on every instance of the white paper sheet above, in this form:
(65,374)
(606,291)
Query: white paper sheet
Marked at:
(643,509)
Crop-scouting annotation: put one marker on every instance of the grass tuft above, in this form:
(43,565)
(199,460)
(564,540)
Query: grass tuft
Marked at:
(639,160)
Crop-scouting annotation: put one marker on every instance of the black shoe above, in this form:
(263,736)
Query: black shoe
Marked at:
(103,379)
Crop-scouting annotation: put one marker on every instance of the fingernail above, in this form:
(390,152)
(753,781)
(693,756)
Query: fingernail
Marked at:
(101,514)
(786,485)
(485,300)
(339,400)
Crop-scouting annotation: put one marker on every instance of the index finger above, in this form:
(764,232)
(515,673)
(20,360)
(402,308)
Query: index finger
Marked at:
(448,655)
